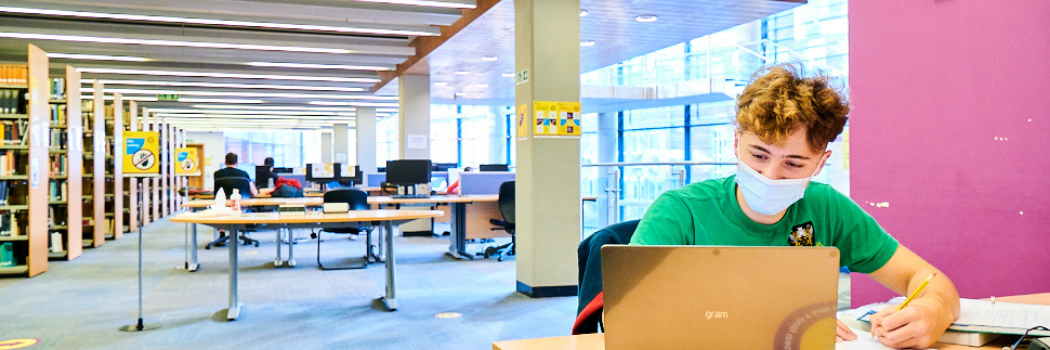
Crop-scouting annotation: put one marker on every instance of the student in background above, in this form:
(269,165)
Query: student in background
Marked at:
(454,187)
(231,171)
(784,124)
(262,178)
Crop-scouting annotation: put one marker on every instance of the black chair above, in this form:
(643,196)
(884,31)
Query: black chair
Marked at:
(591,299)
(228,184)
(506,209)
(357,200)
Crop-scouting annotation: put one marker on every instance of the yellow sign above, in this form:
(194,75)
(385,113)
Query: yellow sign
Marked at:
(141,152)
(17,343)
(186,161)
(523,120)
(556,118)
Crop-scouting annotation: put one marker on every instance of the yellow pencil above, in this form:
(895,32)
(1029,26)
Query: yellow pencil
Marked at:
(910,297)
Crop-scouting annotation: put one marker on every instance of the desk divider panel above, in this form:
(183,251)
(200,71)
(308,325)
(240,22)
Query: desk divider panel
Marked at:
(483,183)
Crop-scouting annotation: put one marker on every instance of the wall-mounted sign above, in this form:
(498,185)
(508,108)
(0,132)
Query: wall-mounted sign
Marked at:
(168,97)
(556,118)
(186,162)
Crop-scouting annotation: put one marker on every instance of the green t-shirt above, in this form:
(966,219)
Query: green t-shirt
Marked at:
(707,213)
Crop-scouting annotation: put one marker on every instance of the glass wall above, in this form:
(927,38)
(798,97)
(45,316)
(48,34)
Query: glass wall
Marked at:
(252,147)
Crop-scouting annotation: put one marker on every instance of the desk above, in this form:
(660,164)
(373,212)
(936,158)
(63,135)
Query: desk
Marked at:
(387,218)
(597,341)
(200,204)
(458,247)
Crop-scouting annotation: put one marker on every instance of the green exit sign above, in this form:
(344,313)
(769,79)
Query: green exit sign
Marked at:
(168,97)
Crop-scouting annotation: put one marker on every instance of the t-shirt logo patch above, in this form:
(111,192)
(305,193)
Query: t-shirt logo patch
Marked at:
(801,235)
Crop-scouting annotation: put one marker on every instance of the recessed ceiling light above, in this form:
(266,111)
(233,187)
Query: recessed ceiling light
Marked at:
(319,66)
(75,56)
(172,43)
(507,75)
(646,18)
(482,85)
(583,13)
(166,19)
(462,73)
(586,43)
(224,85)
(489,58)
(440,83)
(459,93)
(222,75)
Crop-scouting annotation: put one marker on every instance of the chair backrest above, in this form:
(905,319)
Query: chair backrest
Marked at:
(588,312)
(227,184)
(357,199)
(506,201)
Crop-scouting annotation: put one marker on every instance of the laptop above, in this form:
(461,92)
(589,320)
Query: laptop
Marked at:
(707,297)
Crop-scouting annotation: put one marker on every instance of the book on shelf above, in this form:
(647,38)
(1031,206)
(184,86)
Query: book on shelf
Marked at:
(58,88)
(14,74)
(56,242)
(7,162)
(7,255)
(12,101)
(58,165)
(58,191)
(14,131)
(9,224)
(58,115)
(58,140)
(4,190)
(88,114)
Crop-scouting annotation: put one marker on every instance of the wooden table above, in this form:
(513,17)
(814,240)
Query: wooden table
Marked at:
(191,263)
(387,218)
(597,341)
(458,247)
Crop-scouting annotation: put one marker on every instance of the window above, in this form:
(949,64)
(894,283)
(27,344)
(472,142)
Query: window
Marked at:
(253,147)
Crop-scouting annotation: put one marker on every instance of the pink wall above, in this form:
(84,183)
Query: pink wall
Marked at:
(951,127)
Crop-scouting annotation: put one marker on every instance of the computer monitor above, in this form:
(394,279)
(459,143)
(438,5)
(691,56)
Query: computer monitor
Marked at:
(443,166)
(277,170)
(408,171)
(349,175)
(494,167)
(321,171)
(262,175)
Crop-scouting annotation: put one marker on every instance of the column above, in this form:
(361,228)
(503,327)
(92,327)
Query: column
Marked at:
(326,147)
(498,137)
(606,154)
(547,47)
(365,127)
(414,116)
(340,143)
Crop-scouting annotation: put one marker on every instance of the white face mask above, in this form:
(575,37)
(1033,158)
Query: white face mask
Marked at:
(767,196)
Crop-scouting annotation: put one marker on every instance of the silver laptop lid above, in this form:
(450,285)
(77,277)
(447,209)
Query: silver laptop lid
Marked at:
(704,297)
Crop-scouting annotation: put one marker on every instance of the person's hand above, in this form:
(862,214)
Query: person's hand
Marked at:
(912,327)
(842,332)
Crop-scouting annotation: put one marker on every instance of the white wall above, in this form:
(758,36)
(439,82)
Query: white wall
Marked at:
(214,152)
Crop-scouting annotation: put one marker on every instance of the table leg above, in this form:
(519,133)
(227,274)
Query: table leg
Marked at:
(235,306)
(389,300)
(278,262)
(457,248)
(192,266)
(291,247)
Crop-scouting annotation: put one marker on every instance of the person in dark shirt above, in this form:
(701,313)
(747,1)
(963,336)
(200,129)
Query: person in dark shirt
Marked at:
(231,171)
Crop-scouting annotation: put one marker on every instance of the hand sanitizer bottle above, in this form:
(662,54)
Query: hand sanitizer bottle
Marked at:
(235,201)
(220,199)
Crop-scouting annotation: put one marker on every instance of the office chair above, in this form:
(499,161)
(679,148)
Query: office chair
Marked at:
(228,184)
(591,301)
(357,200)
(506,209)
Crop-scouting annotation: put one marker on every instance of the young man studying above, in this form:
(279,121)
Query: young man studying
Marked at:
(785,123)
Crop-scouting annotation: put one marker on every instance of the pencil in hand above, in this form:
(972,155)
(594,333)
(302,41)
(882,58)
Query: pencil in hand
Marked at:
(910,297)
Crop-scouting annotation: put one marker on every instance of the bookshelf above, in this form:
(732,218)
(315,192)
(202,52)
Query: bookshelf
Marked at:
(98,167)
(114,178)
(65,152)
(25,95)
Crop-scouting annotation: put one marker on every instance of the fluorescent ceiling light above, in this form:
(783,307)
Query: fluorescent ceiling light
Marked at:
(243,94)
(131,98)
(357,104)
(329,103)
(482,85)
(507,75)
(426,3)
(489,58)
(223,75)
(319,66)
(583,13)
(218,100)
(173,43)
(224,85)
(440,83)
(585,43)
(210,110)
(462,73)
(167,19)
(646,18)
(277,108)
(76,56)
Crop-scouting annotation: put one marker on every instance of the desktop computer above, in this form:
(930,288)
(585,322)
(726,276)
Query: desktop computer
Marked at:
(407,178)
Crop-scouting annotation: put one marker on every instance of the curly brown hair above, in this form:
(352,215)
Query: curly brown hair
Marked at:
(779,102)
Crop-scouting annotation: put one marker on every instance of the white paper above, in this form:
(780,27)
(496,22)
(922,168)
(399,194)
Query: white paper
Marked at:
(982,313)
(863,342)
(417,141)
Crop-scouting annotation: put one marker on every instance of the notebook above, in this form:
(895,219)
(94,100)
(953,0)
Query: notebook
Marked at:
(706,297)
